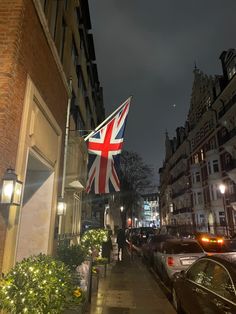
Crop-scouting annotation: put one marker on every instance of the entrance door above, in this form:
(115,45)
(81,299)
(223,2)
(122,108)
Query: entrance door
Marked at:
(33,237)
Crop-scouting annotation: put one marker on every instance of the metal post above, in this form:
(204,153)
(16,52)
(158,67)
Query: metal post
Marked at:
(226,216)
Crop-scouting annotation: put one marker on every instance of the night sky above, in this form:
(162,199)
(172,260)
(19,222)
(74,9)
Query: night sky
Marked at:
(148,49)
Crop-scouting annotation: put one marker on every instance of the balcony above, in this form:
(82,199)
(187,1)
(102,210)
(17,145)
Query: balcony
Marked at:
(180,192)
(227,137)
(212,153)
(182,210)
(174,179)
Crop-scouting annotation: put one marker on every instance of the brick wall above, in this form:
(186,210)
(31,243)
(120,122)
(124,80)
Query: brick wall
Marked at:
(23,51)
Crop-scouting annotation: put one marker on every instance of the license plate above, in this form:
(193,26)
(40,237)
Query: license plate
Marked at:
(187,262)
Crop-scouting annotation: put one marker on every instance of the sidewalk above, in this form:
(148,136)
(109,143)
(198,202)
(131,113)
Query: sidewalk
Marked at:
(129,288)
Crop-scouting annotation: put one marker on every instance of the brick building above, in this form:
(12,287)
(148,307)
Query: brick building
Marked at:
(41,48)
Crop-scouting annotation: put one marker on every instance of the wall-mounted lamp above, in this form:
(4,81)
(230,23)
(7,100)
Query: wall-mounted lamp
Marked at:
(121,208)
(61,207)
(222,188)
(11,188)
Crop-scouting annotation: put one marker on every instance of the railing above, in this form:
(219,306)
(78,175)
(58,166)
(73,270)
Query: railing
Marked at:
(174,195)
(182,210)
(227,137)
(231,165)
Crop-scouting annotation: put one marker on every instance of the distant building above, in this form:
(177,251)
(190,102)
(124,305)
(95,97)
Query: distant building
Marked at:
(150,210)
(202,156)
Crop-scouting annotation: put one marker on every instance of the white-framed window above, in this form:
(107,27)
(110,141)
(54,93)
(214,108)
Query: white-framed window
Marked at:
(202,154)
(196,159)
(222,218)
(215,166)
(199,198)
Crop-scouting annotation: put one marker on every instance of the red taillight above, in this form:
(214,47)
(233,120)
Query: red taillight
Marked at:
(220,241)
(170,261)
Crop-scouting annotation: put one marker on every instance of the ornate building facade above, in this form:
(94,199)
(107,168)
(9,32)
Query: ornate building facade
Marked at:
(203,158)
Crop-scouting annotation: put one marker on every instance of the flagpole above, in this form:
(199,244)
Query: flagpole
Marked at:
(104,122)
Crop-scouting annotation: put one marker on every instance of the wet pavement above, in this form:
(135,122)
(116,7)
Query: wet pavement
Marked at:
(129,288)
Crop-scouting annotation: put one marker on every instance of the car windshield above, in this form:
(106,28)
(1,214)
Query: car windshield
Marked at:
(182,248)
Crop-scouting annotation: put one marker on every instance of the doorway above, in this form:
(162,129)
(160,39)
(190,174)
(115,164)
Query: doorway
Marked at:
(34,225)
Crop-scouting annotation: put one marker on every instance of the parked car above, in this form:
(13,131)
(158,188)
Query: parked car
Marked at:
(176,255)
(153,244)
(143,234)
(176,231)
(211,243)
(207,286)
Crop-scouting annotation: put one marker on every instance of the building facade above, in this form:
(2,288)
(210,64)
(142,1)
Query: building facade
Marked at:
(41,48)
(208,153)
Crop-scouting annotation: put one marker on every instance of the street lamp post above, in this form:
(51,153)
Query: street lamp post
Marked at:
(122,217)
(222,188)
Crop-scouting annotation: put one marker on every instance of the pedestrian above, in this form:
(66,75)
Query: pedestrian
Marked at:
(121,240)
(107,248)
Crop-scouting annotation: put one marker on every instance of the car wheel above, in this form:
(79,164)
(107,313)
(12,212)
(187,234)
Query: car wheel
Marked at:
(176,302)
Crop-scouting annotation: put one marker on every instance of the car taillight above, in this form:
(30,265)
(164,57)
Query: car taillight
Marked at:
(205,239)
(220,241)
(170,261)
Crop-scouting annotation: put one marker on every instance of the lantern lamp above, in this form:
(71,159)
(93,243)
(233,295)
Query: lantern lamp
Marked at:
(61,207)
(11,188)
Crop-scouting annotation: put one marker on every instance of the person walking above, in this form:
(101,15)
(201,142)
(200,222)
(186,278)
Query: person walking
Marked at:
(121,240)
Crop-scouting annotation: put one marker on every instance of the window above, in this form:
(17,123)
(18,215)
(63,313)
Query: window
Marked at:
(196,273)
(215,166)
(198,177)
(212,143)
(222,218)
(196,159)
(202,154)
(62,41)
(218,280)
(53,17)
(74,53)
(199,198)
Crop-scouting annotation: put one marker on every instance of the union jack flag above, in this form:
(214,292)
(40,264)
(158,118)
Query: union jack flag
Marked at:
(104,148)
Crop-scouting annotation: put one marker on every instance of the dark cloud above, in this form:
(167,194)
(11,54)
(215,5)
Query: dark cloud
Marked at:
(147,49)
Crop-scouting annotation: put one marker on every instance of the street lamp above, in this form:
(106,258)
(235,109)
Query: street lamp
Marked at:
(11,188)
(122,209)
(61,211)
(222,188)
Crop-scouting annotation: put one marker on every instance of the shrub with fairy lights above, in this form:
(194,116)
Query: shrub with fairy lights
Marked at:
(92,240)
(72,256)
(36,285)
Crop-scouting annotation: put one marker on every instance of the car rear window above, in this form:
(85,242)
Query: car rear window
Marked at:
(181,248)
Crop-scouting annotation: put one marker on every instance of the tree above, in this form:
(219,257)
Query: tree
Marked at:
(135,177)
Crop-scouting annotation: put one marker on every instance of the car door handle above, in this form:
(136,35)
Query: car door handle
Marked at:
(200,291)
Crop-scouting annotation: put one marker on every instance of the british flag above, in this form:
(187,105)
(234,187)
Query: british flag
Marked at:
(104,148)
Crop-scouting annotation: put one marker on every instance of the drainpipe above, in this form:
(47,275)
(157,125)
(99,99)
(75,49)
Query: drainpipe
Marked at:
(65,152)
